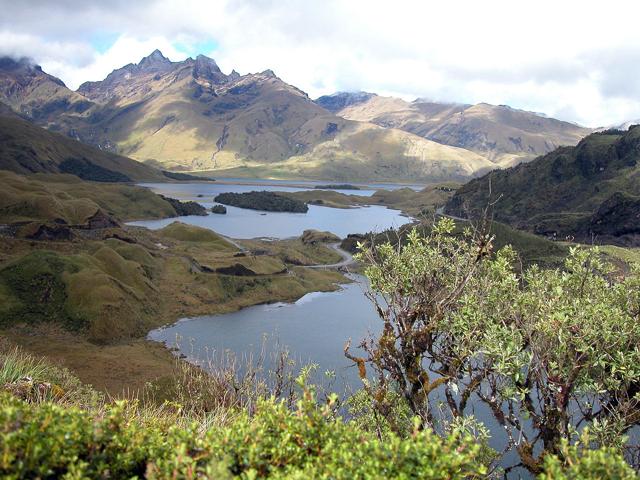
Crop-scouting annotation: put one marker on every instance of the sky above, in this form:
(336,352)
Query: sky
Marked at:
(574,60)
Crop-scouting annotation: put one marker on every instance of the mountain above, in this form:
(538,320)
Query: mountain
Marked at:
(37,95)
(337,101)
(189,115)
(624,126)
(502,134)
(27,148)
(590,191)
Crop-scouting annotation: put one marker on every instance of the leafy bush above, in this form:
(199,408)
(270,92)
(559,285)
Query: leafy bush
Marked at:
(77,435)
(49,441)
(546,351)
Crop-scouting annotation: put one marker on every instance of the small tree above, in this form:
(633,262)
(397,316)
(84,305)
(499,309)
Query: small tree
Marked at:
(548,351)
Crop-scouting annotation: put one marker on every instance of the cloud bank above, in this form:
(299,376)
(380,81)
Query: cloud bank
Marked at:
(578,61)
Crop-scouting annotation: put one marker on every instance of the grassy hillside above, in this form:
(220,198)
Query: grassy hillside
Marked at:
(588,191)
(79,286)
(501,134)
(27,148)
(66,198)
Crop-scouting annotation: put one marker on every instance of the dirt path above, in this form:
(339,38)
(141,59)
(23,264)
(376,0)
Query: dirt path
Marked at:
(347,258)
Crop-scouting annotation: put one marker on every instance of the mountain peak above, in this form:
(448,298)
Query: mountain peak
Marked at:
(155,58)
(207,69)
(25,66)
(204,62)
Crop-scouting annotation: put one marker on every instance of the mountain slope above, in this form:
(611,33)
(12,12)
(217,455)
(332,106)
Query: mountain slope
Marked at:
(27,148)
(37,95)
(190,116)
(503,134)
(590,191)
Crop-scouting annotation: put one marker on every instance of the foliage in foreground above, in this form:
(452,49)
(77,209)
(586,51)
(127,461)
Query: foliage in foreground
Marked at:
(49,441)
(80,436)
(547,352)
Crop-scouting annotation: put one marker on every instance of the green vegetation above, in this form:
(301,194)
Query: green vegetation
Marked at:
(101,293)
(51,426)
(265,201)
(274,443)
(26,148)
(49,198)
(462,321)
(588,192)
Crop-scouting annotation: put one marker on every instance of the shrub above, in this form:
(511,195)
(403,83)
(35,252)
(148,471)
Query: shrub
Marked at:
(559,347)
(49,441)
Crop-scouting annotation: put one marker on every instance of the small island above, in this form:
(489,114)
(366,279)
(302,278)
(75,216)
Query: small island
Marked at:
(219,209)
(264,201)
(185,208)
(340,186)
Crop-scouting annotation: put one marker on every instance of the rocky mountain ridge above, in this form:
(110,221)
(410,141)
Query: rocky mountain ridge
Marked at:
(190,116)
(504,135)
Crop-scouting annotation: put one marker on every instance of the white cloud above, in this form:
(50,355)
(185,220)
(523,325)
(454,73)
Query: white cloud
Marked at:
(125,50)
(575,60)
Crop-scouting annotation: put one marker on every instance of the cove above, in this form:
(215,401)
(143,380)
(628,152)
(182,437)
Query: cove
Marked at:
(314,329)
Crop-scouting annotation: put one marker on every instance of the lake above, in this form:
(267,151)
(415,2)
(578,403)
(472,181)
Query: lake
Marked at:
(243,223)
(314,329)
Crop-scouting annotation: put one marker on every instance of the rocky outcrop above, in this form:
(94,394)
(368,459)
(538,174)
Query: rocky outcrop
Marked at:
(100,220)
(46,232)
(237,269)
(219,209)
(337,101)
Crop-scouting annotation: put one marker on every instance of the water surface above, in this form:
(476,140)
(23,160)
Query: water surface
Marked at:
(244,223)
(315,329)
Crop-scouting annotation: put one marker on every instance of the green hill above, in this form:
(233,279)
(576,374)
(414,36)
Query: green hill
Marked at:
(27,148)
(589,192)
(67,199)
